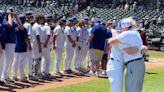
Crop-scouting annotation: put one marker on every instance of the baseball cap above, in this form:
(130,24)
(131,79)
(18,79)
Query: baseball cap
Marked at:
(70,20)
(29,13)
(63,20)
(22,17)
(49,17)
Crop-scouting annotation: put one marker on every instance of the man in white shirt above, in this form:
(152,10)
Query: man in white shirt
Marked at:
(70,45)
(28,26)
(81,49)
(45,41)
(58,45)
(37,50)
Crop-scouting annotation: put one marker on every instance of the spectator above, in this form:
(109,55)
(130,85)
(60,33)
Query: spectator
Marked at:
(126,6)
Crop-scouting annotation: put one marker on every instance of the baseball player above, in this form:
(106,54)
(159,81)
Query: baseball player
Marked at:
(45,40)
(20,51)
(58,45)
(10,25)
(28,26)
(2,43)
(37,50)
(70,45)
(81,50)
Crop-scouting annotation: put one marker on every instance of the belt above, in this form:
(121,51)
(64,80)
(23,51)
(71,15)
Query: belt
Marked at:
(133,60)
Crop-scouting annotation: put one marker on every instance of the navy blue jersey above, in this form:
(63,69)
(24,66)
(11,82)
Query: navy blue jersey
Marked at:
(21,37)
(10,31)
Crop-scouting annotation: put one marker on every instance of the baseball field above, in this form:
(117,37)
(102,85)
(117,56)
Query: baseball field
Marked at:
(154,80)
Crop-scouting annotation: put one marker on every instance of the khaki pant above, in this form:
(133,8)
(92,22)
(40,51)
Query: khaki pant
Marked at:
(96,55)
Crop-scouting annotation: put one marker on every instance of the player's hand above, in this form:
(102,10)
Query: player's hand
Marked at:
(14,15)
(74,44)
(45,46)
(40,50)
(86,42)
(30,49)
(54,47)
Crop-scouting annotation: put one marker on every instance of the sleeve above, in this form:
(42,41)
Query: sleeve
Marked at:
(109,34)
(25,33)
(78,31)
(93,30)
(37,31)
(56,31)
(48,30)
(5,22)
(29,30)
(124,37)
(68,31)
(15,24)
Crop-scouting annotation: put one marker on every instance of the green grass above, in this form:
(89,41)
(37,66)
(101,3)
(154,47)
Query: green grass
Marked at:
(153,83)
(156,54)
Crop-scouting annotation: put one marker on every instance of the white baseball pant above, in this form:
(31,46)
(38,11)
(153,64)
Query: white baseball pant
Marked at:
(19,64)
(29,59)
(68,58)
(1,62)
(8,60)
(57,59)
(115,71)
(80,55)
(45,65)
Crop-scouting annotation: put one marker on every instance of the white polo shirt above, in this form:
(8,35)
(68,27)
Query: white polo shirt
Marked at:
(130,38)
(60,39)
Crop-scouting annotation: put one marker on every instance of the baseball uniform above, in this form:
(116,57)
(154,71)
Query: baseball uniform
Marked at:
(36,54)
(115,67)
(29,53)
(44,33)
(60,39)
(20,54)
(69,48)
(10,39)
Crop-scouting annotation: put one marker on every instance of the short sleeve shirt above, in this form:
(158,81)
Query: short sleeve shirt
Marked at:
(21,37)
(130,38)
(45,31)
(100,36)
(29,30)
(59,32)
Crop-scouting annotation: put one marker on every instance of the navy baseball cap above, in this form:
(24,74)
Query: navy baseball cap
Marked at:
(29,13)
(22,17)
(86,18)
(70,20)
(63,20)
(49,17)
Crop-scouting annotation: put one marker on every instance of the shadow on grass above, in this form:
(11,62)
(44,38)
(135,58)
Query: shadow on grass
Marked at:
(151,73)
